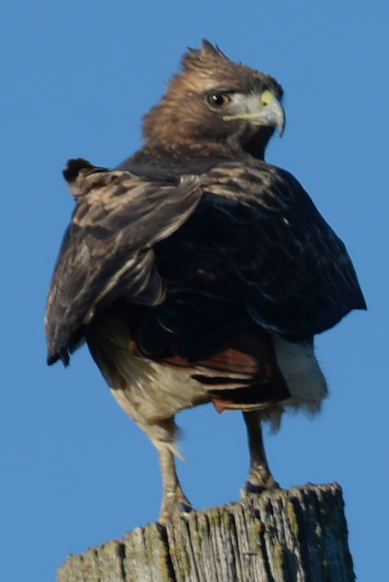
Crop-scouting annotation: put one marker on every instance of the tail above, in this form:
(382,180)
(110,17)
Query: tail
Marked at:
(241,373)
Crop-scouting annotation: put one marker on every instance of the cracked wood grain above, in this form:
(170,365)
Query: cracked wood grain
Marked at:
(295,535)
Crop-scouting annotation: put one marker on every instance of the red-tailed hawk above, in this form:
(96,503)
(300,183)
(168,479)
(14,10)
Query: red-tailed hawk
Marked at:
(196,272)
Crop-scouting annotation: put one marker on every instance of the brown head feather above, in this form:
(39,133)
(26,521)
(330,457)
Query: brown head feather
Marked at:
(182,116)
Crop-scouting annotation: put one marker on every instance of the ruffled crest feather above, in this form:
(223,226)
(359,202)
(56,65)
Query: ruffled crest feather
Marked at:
(207,55)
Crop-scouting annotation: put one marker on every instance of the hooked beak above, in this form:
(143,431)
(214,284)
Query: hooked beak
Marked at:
(270,114)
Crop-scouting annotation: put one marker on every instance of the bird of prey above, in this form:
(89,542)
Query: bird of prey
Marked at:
(198,273)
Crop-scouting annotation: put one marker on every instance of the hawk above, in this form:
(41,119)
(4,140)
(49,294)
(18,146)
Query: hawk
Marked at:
(198,273)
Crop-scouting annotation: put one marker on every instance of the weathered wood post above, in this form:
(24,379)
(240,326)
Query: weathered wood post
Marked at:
(295,535)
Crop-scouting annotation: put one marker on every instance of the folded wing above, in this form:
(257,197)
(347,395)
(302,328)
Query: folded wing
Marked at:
(255,246)
(237,248)
(107,249)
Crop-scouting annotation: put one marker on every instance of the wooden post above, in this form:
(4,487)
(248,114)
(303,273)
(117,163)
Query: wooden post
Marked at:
(295,535)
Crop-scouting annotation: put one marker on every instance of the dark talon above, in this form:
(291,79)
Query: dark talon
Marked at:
(184,507)
(251,489)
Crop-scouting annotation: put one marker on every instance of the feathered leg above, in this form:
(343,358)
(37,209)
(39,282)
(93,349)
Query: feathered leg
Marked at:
(174,499)
(260,477)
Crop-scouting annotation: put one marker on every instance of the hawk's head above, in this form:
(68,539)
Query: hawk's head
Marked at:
(214,99)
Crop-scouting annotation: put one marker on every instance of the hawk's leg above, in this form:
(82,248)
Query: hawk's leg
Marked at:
(260,477)
(174,499)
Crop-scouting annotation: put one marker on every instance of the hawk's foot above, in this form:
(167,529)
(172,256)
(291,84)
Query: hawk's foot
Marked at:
(259,480)
(174,503)
(258,488)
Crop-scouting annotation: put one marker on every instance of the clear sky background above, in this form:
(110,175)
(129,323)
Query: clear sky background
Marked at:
(77,76)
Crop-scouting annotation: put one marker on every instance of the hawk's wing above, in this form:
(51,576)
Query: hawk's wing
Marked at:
(237,247)
(107,249)
(255,245)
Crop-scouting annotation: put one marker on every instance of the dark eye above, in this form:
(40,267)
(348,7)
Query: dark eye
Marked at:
(218,100)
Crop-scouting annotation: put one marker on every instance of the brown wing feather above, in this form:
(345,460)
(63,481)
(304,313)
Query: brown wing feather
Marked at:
(107,249)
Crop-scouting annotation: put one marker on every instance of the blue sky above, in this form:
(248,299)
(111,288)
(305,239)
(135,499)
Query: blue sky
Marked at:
(77,78)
